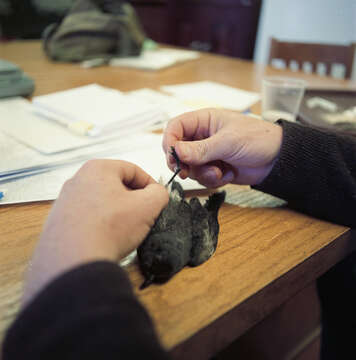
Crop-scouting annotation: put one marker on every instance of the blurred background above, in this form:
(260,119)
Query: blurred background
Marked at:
(238,28)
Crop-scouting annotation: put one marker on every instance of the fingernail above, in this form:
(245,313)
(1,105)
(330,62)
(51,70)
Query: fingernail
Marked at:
(211,174)
(228,176)
(183,175)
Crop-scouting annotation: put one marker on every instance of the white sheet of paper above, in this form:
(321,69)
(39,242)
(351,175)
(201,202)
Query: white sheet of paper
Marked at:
(145,151)
(171,105)
(16,156)
(212,94)
(156,59)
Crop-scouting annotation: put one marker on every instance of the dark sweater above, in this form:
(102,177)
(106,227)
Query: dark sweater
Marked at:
(316,173)
(91,311)
(87,313)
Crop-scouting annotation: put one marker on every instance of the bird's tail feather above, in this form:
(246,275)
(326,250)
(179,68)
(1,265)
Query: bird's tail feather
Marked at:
(215,201)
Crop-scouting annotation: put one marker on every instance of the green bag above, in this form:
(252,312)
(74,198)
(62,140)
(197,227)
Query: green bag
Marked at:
(13,81)
(93,29)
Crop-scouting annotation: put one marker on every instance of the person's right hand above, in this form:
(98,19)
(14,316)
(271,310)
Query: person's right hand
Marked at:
(218,147)
(103,213)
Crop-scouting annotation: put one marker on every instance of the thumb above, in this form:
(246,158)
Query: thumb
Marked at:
(199,152)
(150,200)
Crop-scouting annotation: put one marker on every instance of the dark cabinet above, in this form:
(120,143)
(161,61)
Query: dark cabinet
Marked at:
(221,26)
(154,16)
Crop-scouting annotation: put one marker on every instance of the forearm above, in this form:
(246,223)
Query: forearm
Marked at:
(88,313)
(315,173)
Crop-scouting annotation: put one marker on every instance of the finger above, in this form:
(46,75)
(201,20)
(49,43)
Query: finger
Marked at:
(130,174)
(202,151)
(151,200)
(227,178)
(171,161)
(133,176)
(188,126)
(213,175)
(172,164)
(184,173)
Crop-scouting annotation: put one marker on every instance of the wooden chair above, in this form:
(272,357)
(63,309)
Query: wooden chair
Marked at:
(313,54)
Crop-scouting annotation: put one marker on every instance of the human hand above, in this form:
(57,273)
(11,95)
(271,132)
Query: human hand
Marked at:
(103,213)
(218,147)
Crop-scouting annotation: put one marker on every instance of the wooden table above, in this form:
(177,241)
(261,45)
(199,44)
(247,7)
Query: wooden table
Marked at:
(265,256)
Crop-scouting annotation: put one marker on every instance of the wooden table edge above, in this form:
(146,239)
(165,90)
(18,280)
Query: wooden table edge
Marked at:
(224,330)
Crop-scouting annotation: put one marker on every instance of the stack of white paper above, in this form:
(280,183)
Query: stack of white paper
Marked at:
(211,94)
(19,121)
(95,110)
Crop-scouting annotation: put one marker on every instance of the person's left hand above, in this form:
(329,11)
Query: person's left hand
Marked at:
(103,213)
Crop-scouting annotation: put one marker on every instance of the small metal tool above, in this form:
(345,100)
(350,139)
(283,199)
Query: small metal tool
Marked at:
(177,169)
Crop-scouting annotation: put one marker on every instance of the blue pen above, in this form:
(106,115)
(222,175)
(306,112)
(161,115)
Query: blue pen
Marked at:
(2,193)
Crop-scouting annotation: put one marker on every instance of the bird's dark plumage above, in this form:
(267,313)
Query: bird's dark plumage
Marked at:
(184,234)
(205,227)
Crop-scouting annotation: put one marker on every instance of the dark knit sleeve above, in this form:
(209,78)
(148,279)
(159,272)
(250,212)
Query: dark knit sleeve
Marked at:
(315,173)
(88,313)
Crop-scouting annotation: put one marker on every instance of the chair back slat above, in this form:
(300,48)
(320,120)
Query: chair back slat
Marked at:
(327,54)
(328,68)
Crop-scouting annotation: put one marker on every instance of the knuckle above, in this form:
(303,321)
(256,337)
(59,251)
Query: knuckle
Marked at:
(93,166)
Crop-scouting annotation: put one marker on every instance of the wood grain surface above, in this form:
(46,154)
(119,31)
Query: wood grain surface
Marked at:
(264,256)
